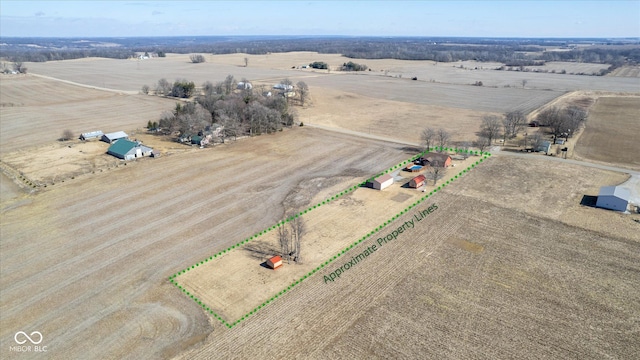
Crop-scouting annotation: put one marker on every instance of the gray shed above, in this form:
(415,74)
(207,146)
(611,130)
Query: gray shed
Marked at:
(613,198)
(114,136)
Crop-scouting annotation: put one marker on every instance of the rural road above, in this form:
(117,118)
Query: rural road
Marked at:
(494,151)
(85,86)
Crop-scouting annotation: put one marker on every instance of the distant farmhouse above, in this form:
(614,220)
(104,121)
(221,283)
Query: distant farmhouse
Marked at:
(129,150)
(613,198)
(113,137)
(91,135)
(242,85)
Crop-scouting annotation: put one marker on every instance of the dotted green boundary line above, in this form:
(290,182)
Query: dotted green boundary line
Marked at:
(484,155)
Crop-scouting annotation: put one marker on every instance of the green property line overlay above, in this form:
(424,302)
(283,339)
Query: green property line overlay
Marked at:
(484,155)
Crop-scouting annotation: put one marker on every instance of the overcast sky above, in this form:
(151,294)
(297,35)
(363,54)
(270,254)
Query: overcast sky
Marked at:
(376,18)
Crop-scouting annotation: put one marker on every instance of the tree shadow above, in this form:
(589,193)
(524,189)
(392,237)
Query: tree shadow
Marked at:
(261,250)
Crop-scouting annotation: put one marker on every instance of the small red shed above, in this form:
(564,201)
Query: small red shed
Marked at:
(417,181)
(275,262)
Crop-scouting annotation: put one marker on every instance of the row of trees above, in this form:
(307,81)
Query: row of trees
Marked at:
(561,122)
(431,138)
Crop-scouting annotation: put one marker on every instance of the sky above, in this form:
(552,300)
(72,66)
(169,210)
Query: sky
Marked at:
(543,18)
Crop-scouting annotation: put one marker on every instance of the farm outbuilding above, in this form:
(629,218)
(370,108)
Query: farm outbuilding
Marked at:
(613,198)
(545,146)
(382,182)
(275,262)
(417,181)
(244,85)
(91,135)
(129,150)
(114,136)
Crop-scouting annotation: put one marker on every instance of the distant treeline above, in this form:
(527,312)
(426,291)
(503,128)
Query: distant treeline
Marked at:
(513,52)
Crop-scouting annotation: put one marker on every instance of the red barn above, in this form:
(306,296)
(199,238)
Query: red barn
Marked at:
(417,181)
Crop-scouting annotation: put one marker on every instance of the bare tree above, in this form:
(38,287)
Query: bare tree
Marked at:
(556,119)
(524,83)
(246,62)
(481,143)
(228,83)
(208,88)
(464,149)
(66,135)
(435,171)
(576,118)
(145,89)
(512,123)
(163,87)
(303,90)
(490,127)
(536,140)
(443,138)
(428,135)
(284,238)
(298,229)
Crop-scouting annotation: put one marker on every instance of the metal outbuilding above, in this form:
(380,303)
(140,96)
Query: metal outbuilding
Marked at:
(382,182)
(91,135)
(613,198)
(114,136)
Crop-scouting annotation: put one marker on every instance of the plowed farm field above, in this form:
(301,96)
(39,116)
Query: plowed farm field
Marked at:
(611,133)
(476,279)
(87,261)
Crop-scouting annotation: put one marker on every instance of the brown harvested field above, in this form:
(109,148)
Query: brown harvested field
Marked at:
(509,266)
(626,71)
(393,119)
(235,283)
(87,261)
(612,132)
(130,75)
(36,111)
(481,278)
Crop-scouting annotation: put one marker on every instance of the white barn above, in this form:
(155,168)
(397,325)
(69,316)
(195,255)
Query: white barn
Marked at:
(613,198)
(382,182)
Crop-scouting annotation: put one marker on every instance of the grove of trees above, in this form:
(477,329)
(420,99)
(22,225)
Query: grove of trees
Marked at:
(351,66)
(237,112)
(197,58)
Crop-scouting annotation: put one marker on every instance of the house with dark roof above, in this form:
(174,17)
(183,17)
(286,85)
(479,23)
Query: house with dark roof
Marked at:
(129,150)
(435,159)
